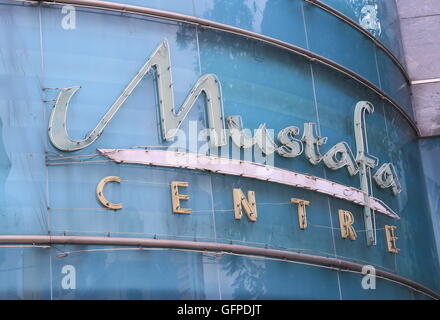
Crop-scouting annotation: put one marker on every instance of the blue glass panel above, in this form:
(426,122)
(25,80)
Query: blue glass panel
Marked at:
(333,39)
(150,274)
(430,150)
(22,123)
(415,224)
(178,6)
(379,17)
(390,28)
(280,19)
(350,8)
(123,273)
(393,82)
(25,273)
(351,289)
(250,278)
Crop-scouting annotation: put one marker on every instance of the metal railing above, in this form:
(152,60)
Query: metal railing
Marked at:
(333,263)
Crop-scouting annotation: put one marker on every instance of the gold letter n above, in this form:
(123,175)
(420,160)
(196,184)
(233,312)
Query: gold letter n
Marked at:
(249,205)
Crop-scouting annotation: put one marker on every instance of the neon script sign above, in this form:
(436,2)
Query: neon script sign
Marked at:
(289,144)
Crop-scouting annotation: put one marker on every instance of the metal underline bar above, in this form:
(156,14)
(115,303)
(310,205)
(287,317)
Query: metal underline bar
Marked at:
(338,264)
(219,165)
(356,26)
(208,24)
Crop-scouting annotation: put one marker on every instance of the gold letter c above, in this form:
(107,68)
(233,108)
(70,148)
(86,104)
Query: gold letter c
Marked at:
(100,192)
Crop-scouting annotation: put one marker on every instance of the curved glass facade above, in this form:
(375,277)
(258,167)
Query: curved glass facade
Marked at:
(44,190)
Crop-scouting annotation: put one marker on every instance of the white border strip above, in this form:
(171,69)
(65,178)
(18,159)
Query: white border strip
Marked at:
(434,80)
(194,161)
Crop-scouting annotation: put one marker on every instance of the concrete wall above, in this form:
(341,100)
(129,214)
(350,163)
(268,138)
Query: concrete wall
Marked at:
(420,25)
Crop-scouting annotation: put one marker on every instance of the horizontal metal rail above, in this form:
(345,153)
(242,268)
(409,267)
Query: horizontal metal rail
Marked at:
(208,24)
(337,264)
(356,26)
